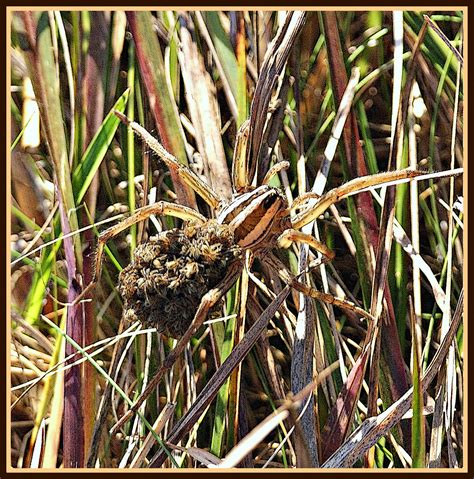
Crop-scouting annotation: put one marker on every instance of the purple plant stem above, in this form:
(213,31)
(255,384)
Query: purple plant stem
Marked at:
(73,420)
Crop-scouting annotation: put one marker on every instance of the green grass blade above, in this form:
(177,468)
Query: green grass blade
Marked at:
(224,50)
(418,424)
(219,429)
(34,302)
(93,156)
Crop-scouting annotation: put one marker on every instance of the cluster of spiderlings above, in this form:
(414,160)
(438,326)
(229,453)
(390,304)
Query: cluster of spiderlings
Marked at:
(170,273)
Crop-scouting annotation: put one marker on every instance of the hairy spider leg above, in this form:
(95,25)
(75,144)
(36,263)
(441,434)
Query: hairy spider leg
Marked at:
(292,280)
(207,302)
(352,187)
(187,175)
(141,214)
(274,170)
(240,180)
(290,236)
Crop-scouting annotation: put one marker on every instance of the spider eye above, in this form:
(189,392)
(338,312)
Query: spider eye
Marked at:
(268,201)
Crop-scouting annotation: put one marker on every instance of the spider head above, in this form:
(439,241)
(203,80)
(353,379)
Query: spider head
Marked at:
(254,216)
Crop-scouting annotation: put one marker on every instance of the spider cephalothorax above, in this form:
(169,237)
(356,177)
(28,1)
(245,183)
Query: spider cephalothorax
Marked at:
(170,273)
(256,217)
(163,285)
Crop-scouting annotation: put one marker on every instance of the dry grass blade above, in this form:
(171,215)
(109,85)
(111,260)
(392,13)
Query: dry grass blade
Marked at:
(367,434)
(204,457)
(203,107)
(277,418)
(444,38)
(272,67)
(213,386)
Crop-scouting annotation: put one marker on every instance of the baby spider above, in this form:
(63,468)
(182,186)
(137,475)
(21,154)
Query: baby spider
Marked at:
(176,279)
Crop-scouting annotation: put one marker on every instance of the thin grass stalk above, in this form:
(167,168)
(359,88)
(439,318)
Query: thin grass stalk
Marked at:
(70,81)
(241,55)
(115,48)
(223,340)
(152,69)
(418,420)
(131,144)
(46,86)
(398,265)
(221,416)
(93,102)
(234,434)
(51,392)
(303,347)
(361,209)
(171,52)
(52,443)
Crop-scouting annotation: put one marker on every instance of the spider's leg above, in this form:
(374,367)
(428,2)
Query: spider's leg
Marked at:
(188,176)
(240,178)
(274,170)
(303,198)
(350,188)
(141,214)
(291,235)
(207,302)
(293,281)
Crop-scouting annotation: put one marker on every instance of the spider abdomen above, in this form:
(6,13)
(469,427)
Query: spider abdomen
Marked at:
(163,285)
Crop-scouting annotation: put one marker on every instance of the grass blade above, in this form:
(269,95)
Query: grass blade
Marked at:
(152,69)
(93,156)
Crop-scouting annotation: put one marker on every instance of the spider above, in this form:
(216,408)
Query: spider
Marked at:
(176,278)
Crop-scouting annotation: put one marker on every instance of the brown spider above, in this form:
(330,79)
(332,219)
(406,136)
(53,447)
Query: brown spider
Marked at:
(177,278)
